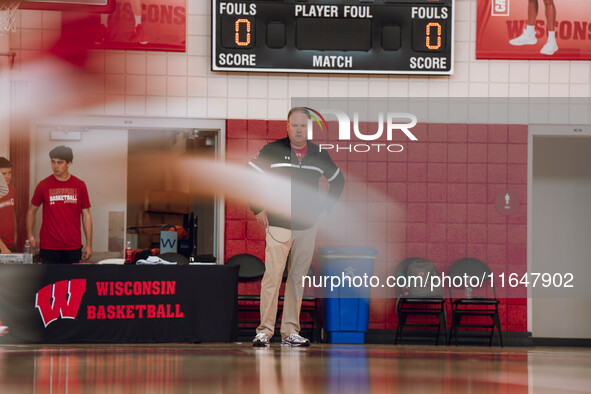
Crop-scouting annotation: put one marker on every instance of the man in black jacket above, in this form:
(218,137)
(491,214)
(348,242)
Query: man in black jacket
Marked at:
(292,232)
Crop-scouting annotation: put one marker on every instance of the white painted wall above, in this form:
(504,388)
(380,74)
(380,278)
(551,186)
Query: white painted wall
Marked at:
(100,160)
(561,234)
(160,84)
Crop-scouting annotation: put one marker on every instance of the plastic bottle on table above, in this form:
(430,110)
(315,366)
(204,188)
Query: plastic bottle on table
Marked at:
(128,252)
(28,254)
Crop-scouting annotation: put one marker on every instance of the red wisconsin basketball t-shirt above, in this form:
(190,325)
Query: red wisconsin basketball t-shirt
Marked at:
(7,217)
(63,202)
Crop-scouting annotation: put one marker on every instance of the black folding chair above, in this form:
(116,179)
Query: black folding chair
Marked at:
(467,302)
(251,269)
(422,304)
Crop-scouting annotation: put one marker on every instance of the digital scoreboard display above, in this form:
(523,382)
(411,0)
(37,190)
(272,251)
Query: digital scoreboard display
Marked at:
(328,36)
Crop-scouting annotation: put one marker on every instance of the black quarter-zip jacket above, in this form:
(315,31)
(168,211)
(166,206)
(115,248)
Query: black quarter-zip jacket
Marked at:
(307,203)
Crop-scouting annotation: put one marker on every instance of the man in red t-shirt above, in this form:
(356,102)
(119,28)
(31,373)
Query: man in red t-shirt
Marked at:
(65,199)
(7,216)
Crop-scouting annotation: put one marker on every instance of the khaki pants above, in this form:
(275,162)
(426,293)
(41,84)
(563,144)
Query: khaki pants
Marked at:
(301,244)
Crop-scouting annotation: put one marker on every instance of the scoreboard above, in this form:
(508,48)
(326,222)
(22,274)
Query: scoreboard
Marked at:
(333,36)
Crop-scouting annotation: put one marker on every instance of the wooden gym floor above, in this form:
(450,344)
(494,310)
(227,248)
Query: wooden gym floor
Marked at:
(322,368)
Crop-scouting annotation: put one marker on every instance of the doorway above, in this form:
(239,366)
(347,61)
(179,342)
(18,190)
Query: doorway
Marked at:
(560,228)
(152,166)
(105,154)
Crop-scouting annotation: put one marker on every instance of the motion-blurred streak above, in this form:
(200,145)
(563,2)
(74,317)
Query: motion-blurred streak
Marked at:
(65,77)
(240,182)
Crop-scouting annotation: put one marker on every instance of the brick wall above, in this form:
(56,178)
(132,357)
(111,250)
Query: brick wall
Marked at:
(435,199)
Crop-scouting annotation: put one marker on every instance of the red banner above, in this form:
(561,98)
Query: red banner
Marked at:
(502,29)
(148,25)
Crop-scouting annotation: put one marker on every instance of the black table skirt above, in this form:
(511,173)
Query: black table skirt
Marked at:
(114,303)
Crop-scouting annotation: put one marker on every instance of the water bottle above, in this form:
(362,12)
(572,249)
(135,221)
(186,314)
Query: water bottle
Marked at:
(128,252)
(468,293)
(28,255)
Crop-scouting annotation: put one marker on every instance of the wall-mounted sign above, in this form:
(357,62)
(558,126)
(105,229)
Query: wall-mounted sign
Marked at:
(506,202)
(559,30)
(147,25)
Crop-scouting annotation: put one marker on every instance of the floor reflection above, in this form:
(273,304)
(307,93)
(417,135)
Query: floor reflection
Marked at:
(239,368)
(281,372)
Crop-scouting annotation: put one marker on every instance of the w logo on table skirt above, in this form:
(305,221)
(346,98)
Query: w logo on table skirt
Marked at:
(60,299)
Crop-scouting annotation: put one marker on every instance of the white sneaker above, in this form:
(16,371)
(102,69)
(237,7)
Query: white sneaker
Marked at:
(524,39)
(549,48)
(261,340)
(295,340)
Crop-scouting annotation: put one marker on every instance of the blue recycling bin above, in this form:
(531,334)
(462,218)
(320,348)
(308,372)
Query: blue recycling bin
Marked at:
(346,304)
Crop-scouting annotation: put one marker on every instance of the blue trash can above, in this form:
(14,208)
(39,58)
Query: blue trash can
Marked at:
(346,307)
